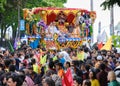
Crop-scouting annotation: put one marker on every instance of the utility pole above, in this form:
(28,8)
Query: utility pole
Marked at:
(91,5)
(91,9)
(112,20)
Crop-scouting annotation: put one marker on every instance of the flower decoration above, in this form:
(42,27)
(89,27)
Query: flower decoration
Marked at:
(42,23)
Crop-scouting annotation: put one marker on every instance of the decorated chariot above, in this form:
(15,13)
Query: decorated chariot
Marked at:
(59,27)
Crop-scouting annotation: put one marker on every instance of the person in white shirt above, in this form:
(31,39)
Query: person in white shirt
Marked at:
(65,55)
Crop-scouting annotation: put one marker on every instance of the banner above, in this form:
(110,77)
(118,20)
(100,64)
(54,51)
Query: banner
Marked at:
(22,25)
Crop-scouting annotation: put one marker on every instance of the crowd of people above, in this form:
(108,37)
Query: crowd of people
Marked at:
(65,67)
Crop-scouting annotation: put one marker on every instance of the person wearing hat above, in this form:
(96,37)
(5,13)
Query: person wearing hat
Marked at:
(99,58)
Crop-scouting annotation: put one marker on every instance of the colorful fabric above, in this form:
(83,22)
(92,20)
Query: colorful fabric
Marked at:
(55,58)
(67,79)
(95,82)
(69,76)
(61,73)
(35,68)
(43,59)
(62,60)
(80,55)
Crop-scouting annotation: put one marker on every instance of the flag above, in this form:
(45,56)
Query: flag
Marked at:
(67,79)
(100,45)
(108,45)
(11,47)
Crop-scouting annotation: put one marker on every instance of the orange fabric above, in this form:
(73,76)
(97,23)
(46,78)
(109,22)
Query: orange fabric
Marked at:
(61,73)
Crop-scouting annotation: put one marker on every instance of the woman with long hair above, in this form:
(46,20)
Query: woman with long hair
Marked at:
(93,79)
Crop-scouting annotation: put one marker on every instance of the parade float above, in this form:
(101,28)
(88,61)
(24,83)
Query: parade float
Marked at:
(59,27)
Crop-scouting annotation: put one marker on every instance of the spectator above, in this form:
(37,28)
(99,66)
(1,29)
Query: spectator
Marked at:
(12,68)
(57,80)
(77,81)
(59,68)
(102,75)
(48,82)
(86,83)
(94,81)
(112,79)
(14,81)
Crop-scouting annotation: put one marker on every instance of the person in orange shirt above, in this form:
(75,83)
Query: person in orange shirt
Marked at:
(60,70)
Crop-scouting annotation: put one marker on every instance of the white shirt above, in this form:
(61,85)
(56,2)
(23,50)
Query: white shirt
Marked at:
(66,56)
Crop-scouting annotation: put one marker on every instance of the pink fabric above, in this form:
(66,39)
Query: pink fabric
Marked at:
(29,81)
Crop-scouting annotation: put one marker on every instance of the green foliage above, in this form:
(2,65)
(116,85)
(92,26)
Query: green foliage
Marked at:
(2,4)
(110,3)
(9,10)
(44,3)
(116,41)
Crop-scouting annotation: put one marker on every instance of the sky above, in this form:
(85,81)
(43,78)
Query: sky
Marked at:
(103,16)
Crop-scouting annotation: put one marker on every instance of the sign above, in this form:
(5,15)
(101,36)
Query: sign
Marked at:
(22,25)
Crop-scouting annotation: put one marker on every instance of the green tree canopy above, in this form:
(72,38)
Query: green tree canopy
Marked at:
(2,4)
(110,3)
(9,10)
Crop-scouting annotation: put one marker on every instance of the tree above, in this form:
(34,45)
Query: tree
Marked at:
(110,3)
(2,4)
(9,11)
